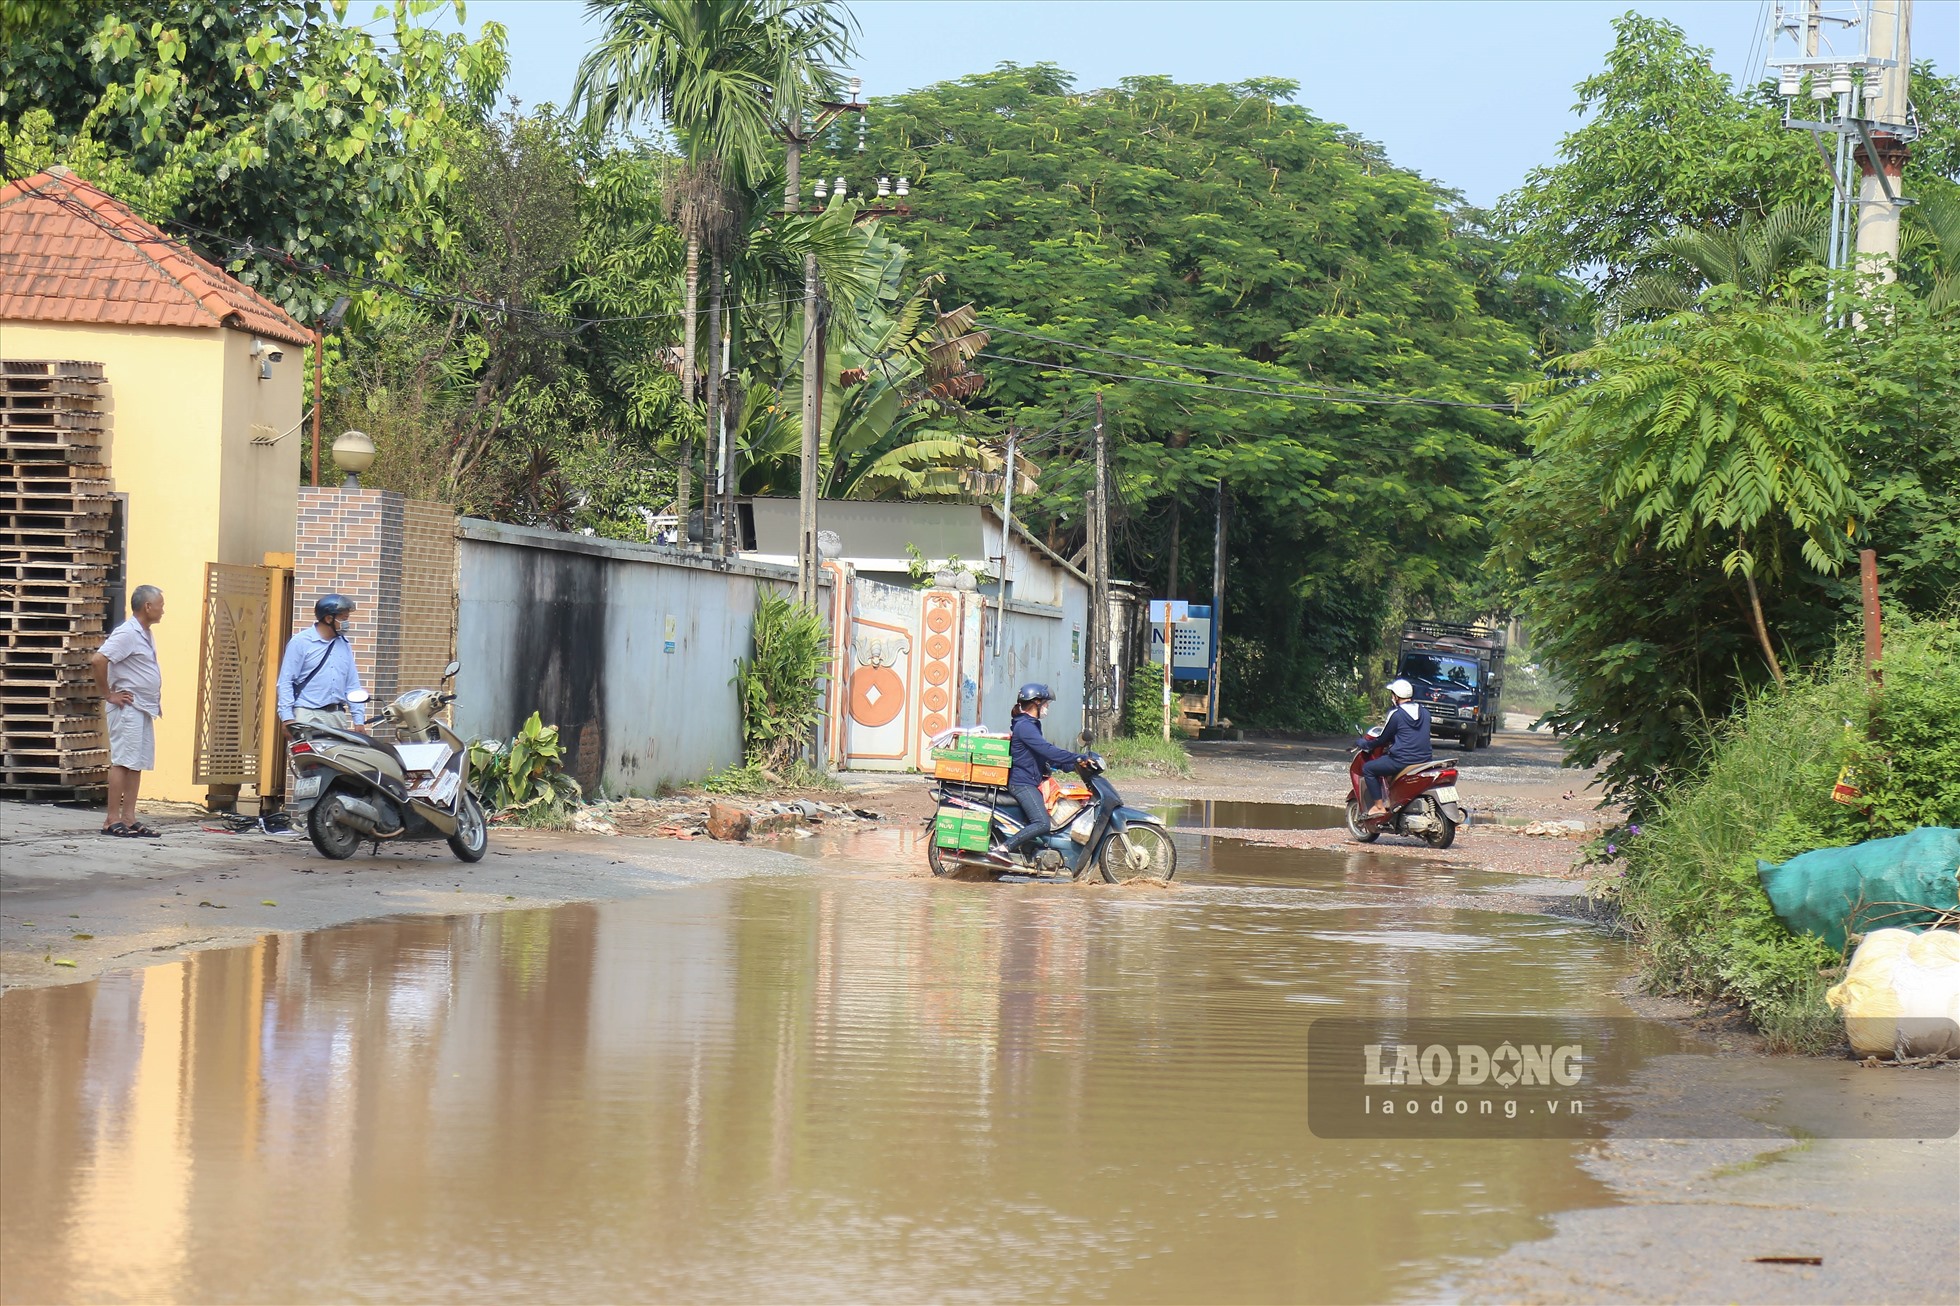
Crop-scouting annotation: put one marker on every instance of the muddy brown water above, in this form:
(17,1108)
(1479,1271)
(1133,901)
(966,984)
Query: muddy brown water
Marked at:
(826,1086)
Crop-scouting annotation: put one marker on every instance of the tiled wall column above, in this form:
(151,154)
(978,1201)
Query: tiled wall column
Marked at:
(396,559)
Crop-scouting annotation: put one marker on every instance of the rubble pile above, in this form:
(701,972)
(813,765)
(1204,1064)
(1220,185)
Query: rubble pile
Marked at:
(694,816)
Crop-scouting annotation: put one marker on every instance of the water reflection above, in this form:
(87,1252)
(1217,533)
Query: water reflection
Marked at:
(786,1089)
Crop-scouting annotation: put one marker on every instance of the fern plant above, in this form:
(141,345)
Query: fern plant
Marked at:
(778,684)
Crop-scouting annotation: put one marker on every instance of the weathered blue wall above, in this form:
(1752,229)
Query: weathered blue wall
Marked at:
(576,628)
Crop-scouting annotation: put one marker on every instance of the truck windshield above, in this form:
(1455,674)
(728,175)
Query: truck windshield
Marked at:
(1441,669)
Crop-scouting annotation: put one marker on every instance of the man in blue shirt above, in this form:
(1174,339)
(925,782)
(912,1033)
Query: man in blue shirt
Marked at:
(1030,758)
(1406,737)
(318,675)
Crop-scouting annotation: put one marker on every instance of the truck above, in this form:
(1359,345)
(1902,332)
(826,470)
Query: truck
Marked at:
(1457,670)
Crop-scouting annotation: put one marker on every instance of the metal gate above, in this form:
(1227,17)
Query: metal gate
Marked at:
(247,611)
(906,664)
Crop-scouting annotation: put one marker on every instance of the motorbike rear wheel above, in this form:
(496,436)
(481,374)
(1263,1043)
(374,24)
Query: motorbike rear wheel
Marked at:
(1442,831)
(472,837)
(335,841)
(1141,852)
(1354,827)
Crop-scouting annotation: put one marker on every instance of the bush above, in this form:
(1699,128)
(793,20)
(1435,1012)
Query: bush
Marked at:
(525,778)
(778,687)
(1691,890)
(1150,753)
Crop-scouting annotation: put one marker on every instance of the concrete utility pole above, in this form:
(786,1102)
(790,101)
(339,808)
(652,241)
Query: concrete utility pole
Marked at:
(1098,678)
(1006,539)
(807,560)
(1861,103)
(1884,154)
(1217,612)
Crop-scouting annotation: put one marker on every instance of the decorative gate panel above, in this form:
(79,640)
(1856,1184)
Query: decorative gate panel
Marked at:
(241,643)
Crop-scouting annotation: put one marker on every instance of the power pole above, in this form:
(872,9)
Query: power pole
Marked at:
(1006,539)
(1860,100)
(1217,612)
(1098,678)
(1885,149)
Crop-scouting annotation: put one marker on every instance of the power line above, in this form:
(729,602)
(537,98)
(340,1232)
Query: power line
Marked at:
(1330,393)
(1378,400)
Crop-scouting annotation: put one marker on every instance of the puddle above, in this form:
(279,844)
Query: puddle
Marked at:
(1231,814)
(801,1088)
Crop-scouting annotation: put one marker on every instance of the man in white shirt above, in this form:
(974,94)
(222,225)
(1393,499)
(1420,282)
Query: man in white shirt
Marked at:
(131,684)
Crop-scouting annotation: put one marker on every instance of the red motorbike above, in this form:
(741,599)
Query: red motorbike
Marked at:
(1421,800)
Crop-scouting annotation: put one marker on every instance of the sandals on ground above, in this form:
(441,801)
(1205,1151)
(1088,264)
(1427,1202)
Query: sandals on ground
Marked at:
(141,831)
(116,831)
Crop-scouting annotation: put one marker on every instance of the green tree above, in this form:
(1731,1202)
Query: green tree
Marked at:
(1287,275)
(724,76)
(273,131)
(1668,143)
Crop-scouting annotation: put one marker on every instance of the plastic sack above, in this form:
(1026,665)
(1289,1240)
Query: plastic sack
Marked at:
(1901,997)
(1879,884)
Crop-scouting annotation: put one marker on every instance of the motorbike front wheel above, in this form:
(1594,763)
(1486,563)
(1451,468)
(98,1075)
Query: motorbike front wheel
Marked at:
(335,841)
(1141,852)
(1354,827)
(472,837)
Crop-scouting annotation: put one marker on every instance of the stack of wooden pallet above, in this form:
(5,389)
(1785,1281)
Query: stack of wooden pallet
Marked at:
(55,511)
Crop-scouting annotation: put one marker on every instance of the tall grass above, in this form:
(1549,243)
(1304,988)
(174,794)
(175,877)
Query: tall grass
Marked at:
(1691,890)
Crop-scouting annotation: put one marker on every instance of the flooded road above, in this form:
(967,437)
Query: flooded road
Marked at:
(828,1086)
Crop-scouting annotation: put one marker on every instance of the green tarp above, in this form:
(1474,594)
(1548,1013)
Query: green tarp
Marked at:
(1903,882)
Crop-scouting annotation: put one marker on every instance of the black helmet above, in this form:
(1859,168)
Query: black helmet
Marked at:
(1035,692)
(332,607)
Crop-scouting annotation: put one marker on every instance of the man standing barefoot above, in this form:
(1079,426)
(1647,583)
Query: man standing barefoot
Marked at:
(131,683)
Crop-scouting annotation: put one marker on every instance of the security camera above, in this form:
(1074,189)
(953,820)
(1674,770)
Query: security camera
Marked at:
(269,352)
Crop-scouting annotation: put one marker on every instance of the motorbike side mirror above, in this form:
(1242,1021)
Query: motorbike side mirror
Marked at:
(449,672)
(357,696)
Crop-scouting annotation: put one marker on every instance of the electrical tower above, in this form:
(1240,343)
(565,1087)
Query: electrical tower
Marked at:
(1853,59)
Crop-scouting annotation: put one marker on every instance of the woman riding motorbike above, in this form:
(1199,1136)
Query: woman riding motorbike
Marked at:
(1031,757)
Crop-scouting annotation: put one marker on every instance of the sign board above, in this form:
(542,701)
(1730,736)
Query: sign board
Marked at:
(1162,610)
(1190,645)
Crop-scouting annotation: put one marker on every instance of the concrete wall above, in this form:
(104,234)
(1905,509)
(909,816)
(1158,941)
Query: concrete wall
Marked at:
(630,650)
(180,421)
(1043,643)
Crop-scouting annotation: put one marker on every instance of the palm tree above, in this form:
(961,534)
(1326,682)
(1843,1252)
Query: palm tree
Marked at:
(723,75)
(1753,259)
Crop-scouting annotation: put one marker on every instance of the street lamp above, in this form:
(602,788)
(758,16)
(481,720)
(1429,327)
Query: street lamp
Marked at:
(353,453)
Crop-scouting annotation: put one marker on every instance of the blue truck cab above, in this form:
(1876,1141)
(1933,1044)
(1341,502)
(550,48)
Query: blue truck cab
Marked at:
(1457,670)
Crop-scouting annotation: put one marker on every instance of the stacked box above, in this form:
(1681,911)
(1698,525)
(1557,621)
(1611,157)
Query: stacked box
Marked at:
(55,515)
(956,827)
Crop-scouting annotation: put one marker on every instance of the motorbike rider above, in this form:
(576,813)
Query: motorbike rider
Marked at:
(318,674)
(1030,758)
(1405,739)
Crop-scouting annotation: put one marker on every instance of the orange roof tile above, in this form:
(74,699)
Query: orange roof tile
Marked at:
(72,253)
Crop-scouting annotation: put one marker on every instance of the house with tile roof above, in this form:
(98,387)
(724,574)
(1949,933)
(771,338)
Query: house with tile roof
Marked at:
(201,400)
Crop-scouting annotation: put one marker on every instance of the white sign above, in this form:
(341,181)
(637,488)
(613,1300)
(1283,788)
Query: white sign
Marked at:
(1191,642)
(1172,610)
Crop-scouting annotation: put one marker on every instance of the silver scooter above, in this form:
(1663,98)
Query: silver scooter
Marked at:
(350,788)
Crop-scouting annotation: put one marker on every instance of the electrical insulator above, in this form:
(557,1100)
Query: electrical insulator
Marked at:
(1820,85)
(884,187)
(1789,81)
(1841,79)
(904,187)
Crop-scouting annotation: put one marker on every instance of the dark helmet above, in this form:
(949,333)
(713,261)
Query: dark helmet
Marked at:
(332,607)
(1035,692)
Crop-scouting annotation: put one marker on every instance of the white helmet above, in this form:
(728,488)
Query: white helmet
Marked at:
(1401,689)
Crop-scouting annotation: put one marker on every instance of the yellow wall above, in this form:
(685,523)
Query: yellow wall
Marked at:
(182,402)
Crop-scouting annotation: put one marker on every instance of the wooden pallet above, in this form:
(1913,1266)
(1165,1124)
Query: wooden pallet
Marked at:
(15,370)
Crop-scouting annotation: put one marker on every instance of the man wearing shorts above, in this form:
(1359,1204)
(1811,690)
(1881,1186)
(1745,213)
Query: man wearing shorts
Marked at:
(131,683)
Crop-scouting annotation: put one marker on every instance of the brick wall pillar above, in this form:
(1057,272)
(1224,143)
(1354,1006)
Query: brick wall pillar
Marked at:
(396,559)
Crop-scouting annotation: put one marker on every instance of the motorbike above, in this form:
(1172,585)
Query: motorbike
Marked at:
(1092,829)
(349,787)
(1421,800)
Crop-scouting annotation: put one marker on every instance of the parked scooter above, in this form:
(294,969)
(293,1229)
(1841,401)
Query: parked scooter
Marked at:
(350,788)
(1421,801)
(1091,828)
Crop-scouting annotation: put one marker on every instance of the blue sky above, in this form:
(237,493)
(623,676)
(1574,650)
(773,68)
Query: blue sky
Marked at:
(1473,94)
